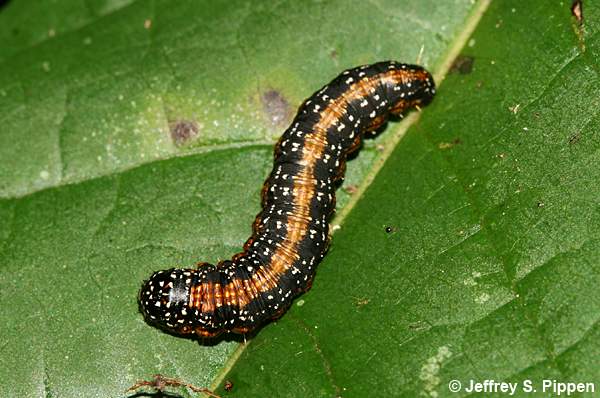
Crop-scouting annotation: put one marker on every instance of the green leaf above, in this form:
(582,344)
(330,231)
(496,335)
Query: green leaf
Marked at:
(491,267)
(136,136)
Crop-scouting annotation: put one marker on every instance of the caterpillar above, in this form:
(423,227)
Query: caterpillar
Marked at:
(291,233)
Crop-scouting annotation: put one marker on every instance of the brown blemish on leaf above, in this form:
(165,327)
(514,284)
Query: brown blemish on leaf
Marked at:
(577,11)
(578,27)
(183,131)
(462,64)
(574,139)
(351,189)
(361,301)
(448,145)
(276,108)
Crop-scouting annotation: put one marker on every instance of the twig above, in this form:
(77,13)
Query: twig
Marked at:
(160,382)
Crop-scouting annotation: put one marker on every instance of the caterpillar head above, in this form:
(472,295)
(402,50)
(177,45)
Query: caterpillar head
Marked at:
(164,300)
(413,87)
(423,87)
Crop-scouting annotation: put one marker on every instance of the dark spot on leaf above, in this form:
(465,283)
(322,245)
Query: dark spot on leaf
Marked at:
(183,131)
(276,108)
(333,54)
(540,204)
(228,386)
(390,229)
(574,139)
(462,64)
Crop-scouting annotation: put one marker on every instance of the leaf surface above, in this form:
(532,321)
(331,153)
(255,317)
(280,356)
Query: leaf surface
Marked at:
(491,265)
(136,136)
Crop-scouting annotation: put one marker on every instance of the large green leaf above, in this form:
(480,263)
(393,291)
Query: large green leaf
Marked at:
(100,94)
(136,136)
(490,267)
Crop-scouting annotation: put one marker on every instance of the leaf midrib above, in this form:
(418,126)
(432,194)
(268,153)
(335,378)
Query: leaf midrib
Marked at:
(440,71)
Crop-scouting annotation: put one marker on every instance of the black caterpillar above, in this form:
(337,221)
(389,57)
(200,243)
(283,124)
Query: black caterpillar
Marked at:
(290,234)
